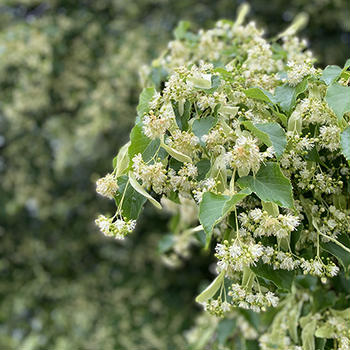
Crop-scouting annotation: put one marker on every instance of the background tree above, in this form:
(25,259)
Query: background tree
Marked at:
(68,91)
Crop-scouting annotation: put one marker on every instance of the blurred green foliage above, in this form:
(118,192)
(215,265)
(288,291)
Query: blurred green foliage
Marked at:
(68,90)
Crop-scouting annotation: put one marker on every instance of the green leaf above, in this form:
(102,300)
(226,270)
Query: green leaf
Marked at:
(347,64)
(251,344)
(331,74)
(201,238)
(252,317)
(338,99)
(321,343)
(299,22)
(345,143)
(202,127)
(260,94)
(201,82)
(215,83)
(165,243)
(176,154)
(137,187)
(132,200)
(280,278)
(342,256)
(270,185)
(293,320)
(224,74)
(286,95)
(247,278)
(218,171)
(121,161)
(271,134)
(158,75)
(277,136)
(295,122)
(325,331)
(345,314)
(271,208)
(203,167)
(144,100)
(181,30)
(214,207)
(322,299)
(225,330)
(140,143)
(182,117)
(242,12)
(229,111)
(307,335)
(262,136)
(210,291)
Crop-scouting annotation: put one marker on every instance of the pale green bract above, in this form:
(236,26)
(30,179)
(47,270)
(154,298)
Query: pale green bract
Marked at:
(249,142)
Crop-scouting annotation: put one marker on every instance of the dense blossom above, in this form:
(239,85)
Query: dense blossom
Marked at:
(107,186)
(249,132)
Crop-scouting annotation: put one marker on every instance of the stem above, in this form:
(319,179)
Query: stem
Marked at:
(221,289)
(122,199)
(336,242)
(237,230)
(155,154)
(257,281)
(232,182)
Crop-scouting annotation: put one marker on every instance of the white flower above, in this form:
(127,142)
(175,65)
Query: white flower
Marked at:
(243,218)
(271,299)
(103,224)
(290,221)
(243,305)
(155,125)
(331,223)
(332,270)
(119,224)
(330,137)
(306,266)
(220,249)
(257,250)
(246,155)
(107,186)
(317,267)
(235,251)
(225,306)
(297,71)
(256,214)
(152,175)
(287,264)
(269,153)
(119,228)
(281,233)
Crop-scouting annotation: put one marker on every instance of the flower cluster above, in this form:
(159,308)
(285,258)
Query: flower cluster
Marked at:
(183,180)
(155,124)
(250,133)
(184,142)
(254,301)
(152,175)
(237,255)
(242,297)
(246,156)
(260,223)
(117,228)
(298,71)
(107,186)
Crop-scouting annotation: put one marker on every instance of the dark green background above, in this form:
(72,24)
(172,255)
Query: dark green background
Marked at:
(68,91)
